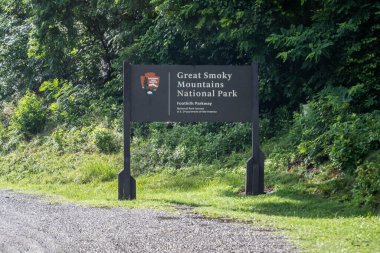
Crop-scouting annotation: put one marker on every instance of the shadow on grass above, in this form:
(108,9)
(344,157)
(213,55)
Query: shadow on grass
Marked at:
(223,193)
(292,203)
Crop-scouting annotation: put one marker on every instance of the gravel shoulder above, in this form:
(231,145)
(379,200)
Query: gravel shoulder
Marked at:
(30,224)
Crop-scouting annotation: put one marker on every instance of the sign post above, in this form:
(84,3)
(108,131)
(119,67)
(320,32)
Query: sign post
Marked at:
(254,183)
(183,93)
(127,184)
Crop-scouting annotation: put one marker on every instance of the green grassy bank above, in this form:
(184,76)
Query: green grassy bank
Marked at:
(312,222)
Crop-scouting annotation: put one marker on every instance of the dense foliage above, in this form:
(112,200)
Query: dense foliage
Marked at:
(29,116)
(60,75)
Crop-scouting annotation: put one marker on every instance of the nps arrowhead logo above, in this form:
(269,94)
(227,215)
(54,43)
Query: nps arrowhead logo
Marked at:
(150,82)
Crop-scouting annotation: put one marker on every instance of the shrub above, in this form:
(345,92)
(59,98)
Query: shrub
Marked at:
(106,141)
(72,140)
(330,135)
(68,103)
(29,116)
(367,184)
(181,145)
(329,131)
(312,124)
(353,139)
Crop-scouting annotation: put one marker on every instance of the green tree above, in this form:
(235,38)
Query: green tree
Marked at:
(17,71)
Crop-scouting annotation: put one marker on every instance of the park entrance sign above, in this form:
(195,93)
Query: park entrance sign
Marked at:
(184,93)
(190,93)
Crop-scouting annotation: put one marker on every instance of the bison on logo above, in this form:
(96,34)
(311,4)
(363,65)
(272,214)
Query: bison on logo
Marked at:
(150,82)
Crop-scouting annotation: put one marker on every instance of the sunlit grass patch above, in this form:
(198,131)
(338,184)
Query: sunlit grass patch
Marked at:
(313,222)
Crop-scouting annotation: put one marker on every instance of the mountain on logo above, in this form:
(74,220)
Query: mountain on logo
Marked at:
(150,82)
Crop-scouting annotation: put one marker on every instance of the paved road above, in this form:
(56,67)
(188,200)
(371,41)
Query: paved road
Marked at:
(29,224)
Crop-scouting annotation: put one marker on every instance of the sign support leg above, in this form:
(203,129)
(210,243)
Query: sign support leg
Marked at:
(127,184)
(255,165)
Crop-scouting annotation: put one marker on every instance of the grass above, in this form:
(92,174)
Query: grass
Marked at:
(312,222)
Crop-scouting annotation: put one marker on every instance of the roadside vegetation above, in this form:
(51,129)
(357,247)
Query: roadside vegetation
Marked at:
(294,205)
(61,110)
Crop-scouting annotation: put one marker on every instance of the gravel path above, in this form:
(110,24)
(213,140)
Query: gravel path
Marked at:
(28,224)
